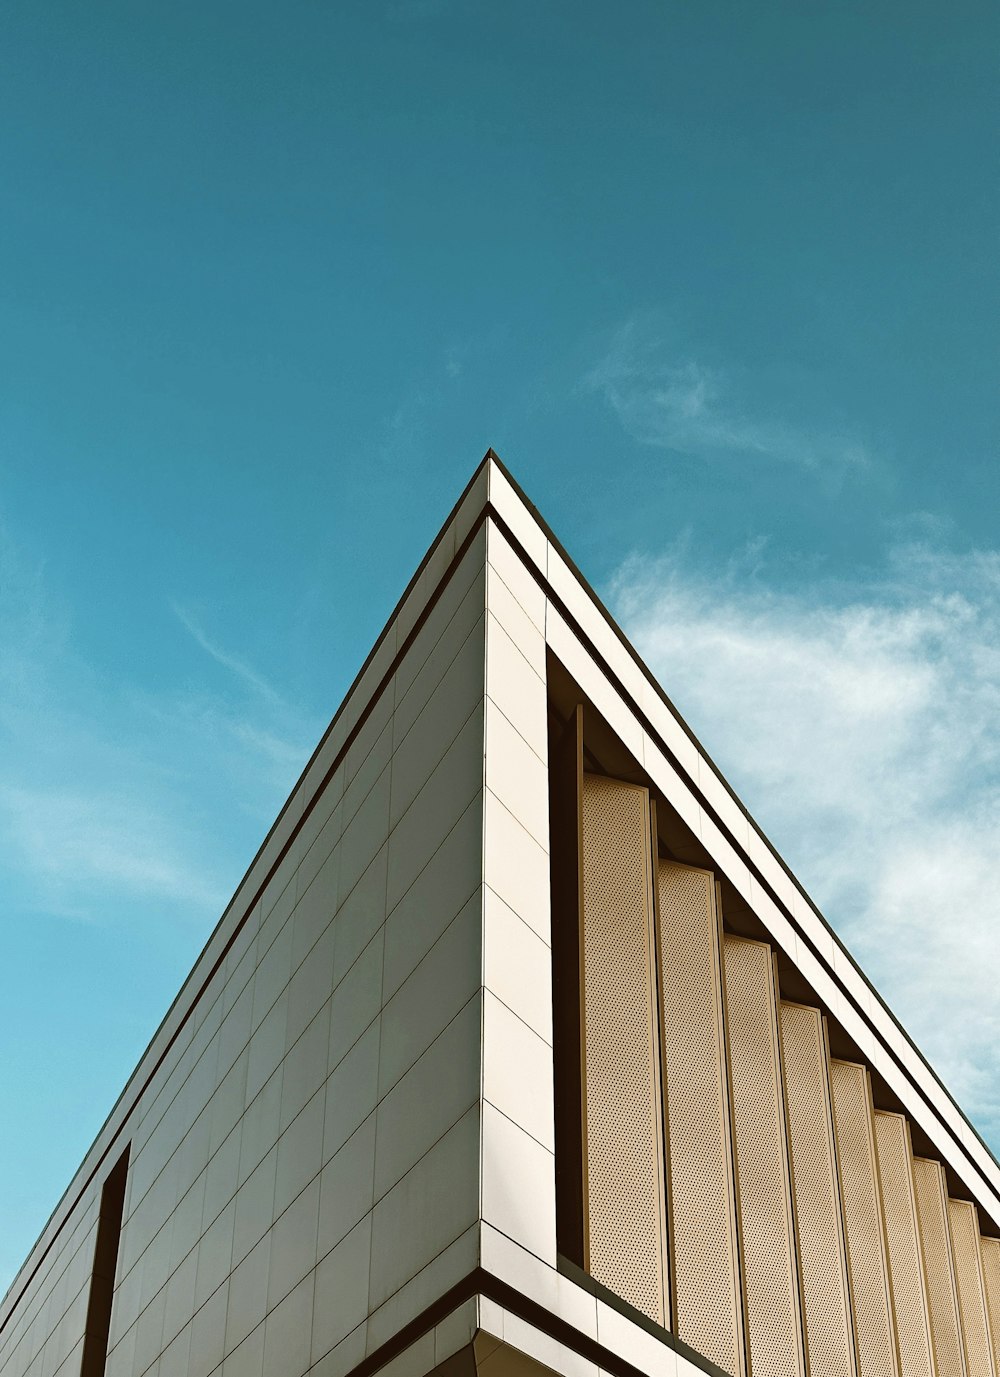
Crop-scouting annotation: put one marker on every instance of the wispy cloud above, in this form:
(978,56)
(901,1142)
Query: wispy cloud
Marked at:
(77,843)
(669,400)
(862,726)
(118,798)
(233,663)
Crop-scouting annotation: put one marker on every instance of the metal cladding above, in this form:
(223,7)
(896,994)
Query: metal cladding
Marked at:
(826,1311)
(864,1228)
(990,1249)
(906,1269)
(971,1288)
(702,1209)
(939,1266)
(740,1187)
(625,1236)
(770,1275)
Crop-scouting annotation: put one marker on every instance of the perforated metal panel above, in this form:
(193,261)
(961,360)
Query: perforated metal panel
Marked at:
(939,1267)
(990,1250)
(626,1221)
(906,1273)
(826,1310)
(964,1225)
(701,1206)
(867,1269)
(770,1301)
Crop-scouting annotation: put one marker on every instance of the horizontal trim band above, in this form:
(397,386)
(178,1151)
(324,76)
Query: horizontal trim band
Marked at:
(480,1282)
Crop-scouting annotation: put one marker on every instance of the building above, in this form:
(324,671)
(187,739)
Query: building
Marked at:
(518,1049)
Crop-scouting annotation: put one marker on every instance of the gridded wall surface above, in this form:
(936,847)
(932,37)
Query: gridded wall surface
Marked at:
(518,1188)
(45,1333)
(305,1163)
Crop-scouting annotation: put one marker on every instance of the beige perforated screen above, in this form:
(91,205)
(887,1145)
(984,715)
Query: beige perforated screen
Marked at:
(815,1193)
(990,1248)
(625,1207)
(935,1246)
(701,1205)
(964,1225)
(771,1309)
(863,1228)
(906,1272)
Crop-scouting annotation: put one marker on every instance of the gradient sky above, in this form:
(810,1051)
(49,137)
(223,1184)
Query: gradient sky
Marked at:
(719,284)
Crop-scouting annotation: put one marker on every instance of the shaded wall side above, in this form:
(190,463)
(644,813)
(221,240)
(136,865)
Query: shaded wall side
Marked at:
(300,1167)
(420,595)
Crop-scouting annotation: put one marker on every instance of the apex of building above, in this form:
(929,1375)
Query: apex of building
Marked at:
(518,1048)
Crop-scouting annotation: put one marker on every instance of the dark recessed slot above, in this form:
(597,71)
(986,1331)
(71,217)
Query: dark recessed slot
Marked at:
(565,783)
(102,1281)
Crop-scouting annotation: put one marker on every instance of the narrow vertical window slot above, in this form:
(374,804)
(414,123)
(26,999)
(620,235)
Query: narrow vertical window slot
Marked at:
(566,851)
(102,1281)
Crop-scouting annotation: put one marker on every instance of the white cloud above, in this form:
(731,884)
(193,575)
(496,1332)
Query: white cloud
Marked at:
(118,800)
(673,402)
(862,727)
(78,843)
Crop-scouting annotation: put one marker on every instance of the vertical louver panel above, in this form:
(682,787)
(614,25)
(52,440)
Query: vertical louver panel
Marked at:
(906,1272)
(939,1269)
(990,1248)
(964,1224)
(863,1227)
(623,1152)
(701,1206)
(771,1309)
(816,1194)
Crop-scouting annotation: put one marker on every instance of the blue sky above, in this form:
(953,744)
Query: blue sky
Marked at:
(718,282)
